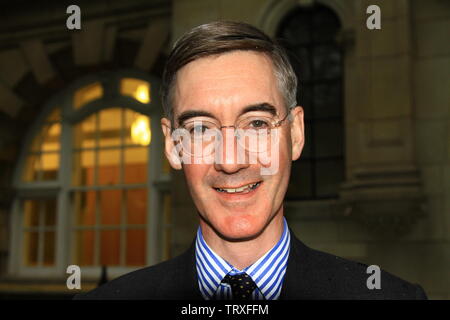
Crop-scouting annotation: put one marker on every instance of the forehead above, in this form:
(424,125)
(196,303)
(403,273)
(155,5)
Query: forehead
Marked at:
(225,83)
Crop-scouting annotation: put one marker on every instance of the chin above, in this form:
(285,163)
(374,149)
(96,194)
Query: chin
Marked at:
(241,227)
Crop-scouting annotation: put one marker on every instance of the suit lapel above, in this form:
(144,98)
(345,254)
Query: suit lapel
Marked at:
(297,282)
(188,285)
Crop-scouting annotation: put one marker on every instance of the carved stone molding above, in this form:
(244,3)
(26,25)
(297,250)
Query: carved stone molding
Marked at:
(388,202)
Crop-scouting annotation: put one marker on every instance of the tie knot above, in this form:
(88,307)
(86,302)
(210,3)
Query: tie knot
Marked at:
(241,284)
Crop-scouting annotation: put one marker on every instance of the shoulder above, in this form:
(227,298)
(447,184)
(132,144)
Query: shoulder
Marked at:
(333,277)
(166,280)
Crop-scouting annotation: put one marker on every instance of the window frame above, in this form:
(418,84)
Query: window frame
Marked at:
(313,160)
(61,188)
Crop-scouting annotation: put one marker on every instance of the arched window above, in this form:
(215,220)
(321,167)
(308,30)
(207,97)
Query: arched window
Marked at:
(92,183)
(309,35)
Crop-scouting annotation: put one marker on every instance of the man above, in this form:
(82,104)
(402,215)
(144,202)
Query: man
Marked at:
(233,126)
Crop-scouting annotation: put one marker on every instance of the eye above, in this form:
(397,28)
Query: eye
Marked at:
(198,129)
(259,124)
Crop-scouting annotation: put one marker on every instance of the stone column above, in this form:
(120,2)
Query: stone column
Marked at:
(383,188)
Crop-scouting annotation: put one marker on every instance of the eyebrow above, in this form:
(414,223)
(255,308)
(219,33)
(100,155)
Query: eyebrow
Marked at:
(264,106)
(192,114)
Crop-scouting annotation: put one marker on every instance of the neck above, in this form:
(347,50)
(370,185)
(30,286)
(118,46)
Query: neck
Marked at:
(242,254)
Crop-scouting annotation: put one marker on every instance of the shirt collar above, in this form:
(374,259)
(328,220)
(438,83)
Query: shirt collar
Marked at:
(267,272)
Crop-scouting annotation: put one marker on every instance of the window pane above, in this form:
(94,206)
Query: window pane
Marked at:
(330,173)
(136,243)
(49,207)
(300,183)
(87,94)
(31,245)
(327,100)
(49,248)
(138,89)
(83,168)
(51,137)
(140,131)
(41,167)
(328,140)
(137,128)
(136,165)
(84,206)
(325,25)
(48,139)
(327,62)
(296,29)
(109,166)
(84,243)
(110,206)
(50,166)
(84,133)
(39,214)
(136,206)
(109,247)
(31,213)
(110,127)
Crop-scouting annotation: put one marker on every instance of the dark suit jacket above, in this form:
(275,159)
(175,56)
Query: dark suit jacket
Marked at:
(310,274)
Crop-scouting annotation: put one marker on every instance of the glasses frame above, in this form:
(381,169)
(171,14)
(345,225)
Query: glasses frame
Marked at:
(274,125)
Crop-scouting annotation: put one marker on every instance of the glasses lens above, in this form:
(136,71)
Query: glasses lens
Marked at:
(254,133)
(202,136)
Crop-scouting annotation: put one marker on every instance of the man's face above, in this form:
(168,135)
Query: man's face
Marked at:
(223,87)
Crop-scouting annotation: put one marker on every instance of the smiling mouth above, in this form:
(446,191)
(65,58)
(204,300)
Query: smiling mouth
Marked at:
(244,189)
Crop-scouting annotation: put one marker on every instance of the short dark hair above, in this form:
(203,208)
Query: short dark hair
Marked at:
(220,37)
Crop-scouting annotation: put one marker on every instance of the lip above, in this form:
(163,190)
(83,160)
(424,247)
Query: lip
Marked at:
(238,197)
(230,187)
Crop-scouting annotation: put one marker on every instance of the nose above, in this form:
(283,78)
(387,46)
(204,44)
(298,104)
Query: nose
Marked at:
(230,157)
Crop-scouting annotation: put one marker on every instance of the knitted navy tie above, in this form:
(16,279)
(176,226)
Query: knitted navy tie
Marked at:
(242,286)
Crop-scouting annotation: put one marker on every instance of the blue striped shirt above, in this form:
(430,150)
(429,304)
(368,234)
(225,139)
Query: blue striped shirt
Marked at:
(267,273)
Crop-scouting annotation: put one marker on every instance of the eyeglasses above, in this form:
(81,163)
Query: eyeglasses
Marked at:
(254,134)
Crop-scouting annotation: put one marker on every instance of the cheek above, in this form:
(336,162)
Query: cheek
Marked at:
(281,178)
(281,160)
(195,174)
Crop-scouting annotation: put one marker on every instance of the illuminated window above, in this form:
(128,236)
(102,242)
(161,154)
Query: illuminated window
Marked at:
(87,94)
(138,89)
(88,168)
(39,229)
(110,198)
(42,160)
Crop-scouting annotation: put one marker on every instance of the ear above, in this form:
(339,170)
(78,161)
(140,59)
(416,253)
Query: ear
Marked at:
(169,145)
(297,132)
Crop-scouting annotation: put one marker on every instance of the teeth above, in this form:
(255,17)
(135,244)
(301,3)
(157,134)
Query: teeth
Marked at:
(246,188)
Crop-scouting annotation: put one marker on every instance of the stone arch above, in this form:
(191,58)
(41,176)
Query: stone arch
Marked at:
(44,69)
